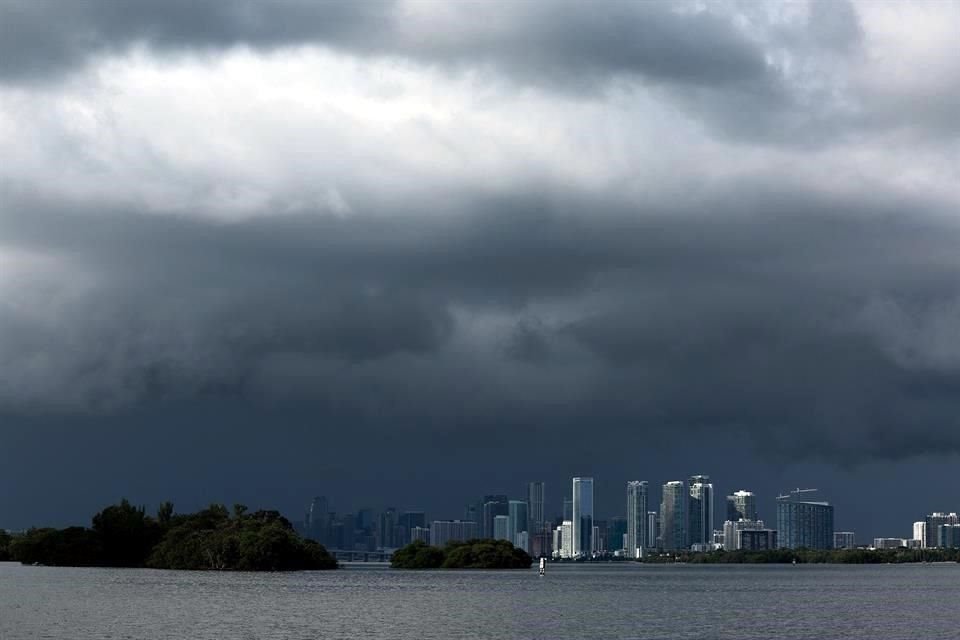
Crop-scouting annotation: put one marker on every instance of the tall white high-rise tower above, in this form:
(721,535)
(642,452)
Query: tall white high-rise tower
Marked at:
(582,516)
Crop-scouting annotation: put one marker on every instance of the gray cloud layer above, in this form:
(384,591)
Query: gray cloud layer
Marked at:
(820,326)
(472,228)
(568,39)
(743,71)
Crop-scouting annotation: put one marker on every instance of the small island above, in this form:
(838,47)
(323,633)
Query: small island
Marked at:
(214,539)
(472,554)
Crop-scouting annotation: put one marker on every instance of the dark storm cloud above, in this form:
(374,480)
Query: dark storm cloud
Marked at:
(803,326)
(563,44)
(43,37)
(652,236)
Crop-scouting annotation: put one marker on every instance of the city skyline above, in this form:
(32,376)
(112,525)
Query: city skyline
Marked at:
(613,498)
(803,520)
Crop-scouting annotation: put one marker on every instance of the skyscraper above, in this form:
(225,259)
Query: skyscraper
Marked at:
(933,524)
(493,506)
(741,505)
(653,529)
(535,495)
(517,515)
(348,532)
(598,537)
(473,512)
(637,498)
(387,529)
(582,516)
(501,528)
(317,521)
(949,536)
(804,523)
(741,534)
(566,539)
(444,531)
(920,532)
(420,533)
(673,516)
(700,530)
(405,524)
(522,541)
(365,518)
(617,532)
(538,527)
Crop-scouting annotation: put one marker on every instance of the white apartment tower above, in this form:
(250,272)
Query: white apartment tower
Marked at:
(637,498)
(700,511)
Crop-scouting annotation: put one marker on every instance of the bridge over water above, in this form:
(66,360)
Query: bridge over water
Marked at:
(346,555)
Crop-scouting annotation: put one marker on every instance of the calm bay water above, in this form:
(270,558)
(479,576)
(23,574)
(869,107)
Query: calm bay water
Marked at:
(600,601)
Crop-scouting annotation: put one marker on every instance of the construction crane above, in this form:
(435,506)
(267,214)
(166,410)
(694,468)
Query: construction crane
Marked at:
(797,492)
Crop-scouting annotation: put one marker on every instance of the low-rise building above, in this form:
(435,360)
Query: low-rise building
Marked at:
(757,539)
(889,543)
(718,538)
(844,540)
(732,530)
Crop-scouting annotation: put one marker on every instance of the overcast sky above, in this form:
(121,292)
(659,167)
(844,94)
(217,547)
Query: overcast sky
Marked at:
(408,253)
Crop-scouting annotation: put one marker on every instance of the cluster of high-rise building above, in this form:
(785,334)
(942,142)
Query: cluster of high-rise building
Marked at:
(363,530)
(522,522)
(938,530)
(685,520)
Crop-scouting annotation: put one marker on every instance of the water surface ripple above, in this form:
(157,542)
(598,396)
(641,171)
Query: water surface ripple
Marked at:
(609,601)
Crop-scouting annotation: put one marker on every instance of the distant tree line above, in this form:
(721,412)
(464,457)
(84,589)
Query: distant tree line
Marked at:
(4,546)
(123,535)
(813,556)
(472,554)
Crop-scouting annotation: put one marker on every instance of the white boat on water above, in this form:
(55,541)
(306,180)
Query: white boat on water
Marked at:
(543,566)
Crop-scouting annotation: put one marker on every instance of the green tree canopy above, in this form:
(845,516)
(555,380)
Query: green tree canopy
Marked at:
(124,536)
(5,540)
(472,554)
(417,555)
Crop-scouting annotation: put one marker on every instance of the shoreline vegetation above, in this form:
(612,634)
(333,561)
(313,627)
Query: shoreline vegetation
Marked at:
(791,556)
(213,539)
(472,554)
(217,539)
(814,556)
